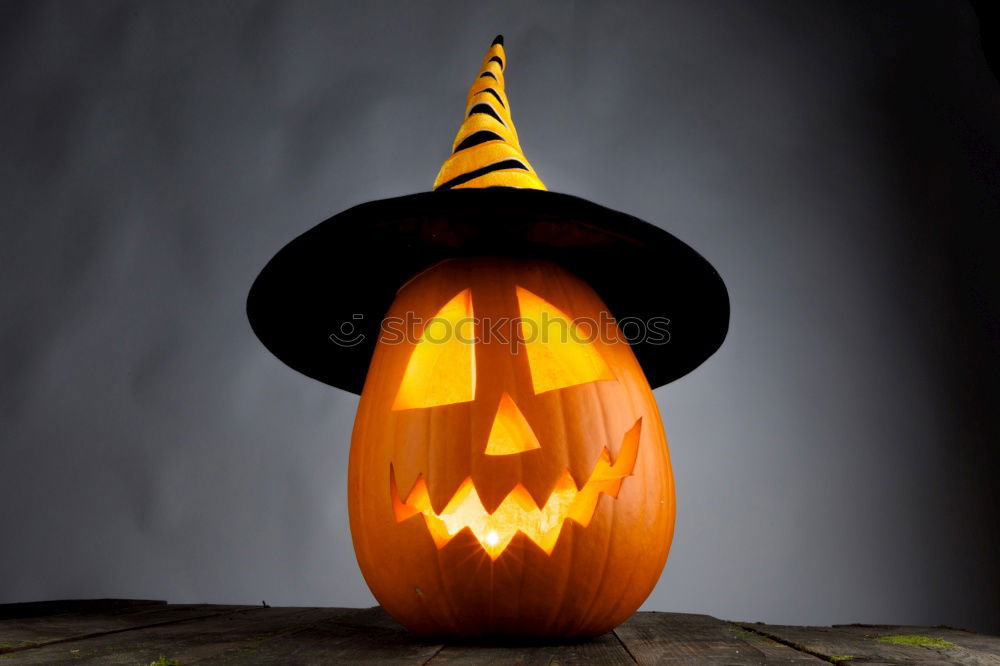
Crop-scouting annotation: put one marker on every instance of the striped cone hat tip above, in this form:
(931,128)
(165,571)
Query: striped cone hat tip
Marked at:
(486,151)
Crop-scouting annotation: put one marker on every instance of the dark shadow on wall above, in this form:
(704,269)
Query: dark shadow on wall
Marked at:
(937,125)
(988,16)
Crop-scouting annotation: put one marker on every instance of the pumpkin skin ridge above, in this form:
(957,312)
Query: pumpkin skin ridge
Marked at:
(624,608)
(580,627)
(588,619)
(621,609)
(524,591)
(585,620)
(552,617)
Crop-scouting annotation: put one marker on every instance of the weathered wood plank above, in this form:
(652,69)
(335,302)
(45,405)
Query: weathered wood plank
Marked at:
(365,636)
(187,641)
(604,649)
(140,632)
(681,638)
(24,629)
(860,644)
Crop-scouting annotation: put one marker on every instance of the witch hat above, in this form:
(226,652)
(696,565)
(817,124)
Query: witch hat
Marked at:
(318,304)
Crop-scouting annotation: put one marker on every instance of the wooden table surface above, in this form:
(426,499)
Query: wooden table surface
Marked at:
(128,631)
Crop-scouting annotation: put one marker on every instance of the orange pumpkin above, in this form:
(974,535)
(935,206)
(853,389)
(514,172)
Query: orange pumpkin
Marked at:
(513,481)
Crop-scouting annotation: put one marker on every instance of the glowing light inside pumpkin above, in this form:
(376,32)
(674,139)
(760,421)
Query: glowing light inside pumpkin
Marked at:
(560,354)
(518,511)
(510,432)
(442,366)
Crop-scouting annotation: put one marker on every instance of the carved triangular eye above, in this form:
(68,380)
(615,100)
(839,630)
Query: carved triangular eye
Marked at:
(442,367)
(559,354)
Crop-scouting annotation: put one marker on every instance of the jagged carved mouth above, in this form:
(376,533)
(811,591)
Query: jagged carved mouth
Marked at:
(518,511)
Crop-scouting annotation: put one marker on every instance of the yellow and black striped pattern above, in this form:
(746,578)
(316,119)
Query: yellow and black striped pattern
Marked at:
(486,152)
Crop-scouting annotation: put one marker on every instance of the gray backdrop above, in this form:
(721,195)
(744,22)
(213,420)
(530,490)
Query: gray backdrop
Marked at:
(837,161)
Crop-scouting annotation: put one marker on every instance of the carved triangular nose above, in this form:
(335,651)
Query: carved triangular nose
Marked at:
(510,432)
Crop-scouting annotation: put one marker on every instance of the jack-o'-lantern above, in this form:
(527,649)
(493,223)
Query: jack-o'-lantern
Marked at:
(515,480)
(509,472)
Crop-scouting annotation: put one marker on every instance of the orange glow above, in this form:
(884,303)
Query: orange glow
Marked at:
(518,512)
(442,367)
(510,432)
(559,353)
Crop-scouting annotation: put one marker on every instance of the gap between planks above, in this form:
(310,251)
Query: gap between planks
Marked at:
(778,639)
(624,647)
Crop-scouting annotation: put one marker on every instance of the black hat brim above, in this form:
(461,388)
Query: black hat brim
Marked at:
(338,279)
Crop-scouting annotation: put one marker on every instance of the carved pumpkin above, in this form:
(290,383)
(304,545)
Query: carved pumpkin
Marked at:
(514,483)
(510,480)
